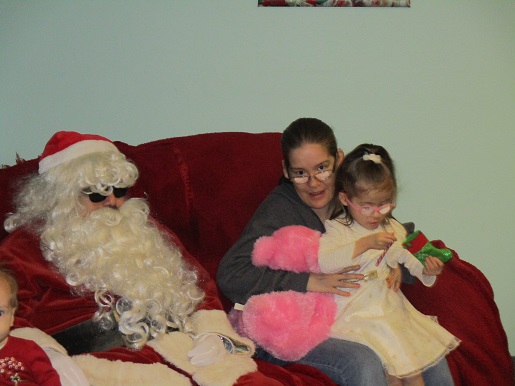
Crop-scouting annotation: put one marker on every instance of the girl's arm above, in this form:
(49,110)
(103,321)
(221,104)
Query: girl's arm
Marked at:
(339,247)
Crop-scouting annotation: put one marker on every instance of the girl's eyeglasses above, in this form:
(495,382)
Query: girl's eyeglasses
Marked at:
(368,210)
(97,197)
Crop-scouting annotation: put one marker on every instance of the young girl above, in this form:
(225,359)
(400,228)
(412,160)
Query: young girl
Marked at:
(21,361)
(365,233)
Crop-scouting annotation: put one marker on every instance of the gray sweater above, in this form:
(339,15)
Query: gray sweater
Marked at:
(237,277)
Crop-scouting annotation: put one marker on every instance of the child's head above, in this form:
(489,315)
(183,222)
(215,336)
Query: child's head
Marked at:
(8,303)
(366,186)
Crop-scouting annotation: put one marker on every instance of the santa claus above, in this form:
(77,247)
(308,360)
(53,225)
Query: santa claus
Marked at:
(112,281)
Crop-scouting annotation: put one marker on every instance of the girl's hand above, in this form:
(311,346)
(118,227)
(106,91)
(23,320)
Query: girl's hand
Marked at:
(394,278)
(332,282)
(380,240)
(434,266)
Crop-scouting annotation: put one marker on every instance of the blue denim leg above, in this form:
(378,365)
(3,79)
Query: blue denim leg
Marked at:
(438,375)
(346,363)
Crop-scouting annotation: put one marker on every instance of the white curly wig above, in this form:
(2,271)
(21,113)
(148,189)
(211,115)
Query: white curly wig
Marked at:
(118,254)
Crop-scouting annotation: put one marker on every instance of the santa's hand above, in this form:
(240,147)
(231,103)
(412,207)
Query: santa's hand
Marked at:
(212,347)
(207,349)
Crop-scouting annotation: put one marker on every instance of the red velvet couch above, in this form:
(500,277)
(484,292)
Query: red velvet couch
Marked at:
(205,188)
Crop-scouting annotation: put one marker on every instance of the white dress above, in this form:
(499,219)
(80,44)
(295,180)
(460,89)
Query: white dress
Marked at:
(406,341)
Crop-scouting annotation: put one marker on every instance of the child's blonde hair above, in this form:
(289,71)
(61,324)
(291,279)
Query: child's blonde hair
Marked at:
(13,287)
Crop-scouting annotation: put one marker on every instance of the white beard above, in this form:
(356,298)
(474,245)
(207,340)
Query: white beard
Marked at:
(129,265)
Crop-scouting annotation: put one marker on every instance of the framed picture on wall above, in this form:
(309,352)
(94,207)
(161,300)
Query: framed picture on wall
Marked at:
(334,3)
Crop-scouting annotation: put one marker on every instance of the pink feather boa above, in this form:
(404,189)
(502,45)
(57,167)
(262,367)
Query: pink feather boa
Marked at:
(288,324)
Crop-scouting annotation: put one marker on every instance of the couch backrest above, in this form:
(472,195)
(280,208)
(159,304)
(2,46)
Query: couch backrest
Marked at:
(204,187)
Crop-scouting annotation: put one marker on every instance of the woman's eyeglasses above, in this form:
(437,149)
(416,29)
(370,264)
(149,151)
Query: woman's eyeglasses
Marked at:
(97,197)
(304,178)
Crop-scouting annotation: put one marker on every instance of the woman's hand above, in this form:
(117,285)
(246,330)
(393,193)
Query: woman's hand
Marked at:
(333,282)
(394,279)
(434,266)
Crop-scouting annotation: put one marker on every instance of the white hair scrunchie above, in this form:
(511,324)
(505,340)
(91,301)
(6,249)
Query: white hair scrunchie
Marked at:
(372,157)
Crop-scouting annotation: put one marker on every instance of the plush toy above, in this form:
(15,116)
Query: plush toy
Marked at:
(289,324)
(421,248)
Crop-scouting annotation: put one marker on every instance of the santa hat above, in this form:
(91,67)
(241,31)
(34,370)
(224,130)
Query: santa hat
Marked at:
(65,146)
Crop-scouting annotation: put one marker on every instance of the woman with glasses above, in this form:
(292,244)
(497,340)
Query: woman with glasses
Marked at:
(306,196)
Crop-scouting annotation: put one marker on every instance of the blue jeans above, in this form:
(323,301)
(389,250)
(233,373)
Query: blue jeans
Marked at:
(353,364)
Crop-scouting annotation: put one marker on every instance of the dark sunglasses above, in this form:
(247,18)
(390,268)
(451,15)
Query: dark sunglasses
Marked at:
(97,197)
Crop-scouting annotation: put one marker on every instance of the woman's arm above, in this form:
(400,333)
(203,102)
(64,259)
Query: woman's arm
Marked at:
(237,277)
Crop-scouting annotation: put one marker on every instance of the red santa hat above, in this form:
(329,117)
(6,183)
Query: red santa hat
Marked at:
(65,146)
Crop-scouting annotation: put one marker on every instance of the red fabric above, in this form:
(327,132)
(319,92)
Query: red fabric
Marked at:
(416,244)
(45,300)
(463,301)
(205,188)
(63,139)
(24,361)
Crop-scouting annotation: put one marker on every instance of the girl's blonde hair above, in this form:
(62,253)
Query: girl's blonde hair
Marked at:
(13,287)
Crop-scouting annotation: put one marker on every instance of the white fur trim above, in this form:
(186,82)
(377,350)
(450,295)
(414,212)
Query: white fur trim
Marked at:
(217,321)
(225,372)
(174,348)
(75,151)
(102,372)
(41,338)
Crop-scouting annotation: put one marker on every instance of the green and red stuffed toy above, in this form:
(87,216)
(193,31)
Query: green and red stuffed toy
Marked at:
(421,248)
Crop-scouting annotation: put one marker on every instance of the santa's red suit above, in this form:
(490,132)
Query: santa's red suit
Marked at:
(46,302)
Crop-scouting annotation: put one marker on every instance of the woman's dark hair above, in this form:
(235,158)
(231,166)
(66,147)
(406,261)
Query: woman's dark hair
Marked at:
(307,131)
(357,175)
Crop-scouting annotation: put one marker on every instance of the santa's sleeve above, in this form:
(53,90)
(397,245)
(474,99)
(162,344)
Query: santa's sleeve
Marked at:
(45,300)
(17,256)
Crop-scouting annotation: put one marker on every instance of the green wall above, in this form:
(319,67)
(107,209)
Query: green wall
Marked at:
(434,83)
